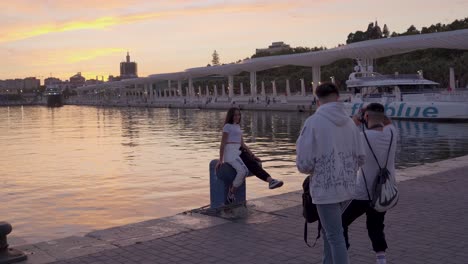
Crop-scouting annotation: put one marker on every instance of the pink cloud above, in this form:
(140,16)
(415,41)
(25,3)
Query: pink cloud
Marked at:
(14,33)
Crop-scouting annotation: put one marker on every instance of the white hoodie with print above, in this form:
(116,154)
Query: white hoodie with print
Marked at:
(330,149)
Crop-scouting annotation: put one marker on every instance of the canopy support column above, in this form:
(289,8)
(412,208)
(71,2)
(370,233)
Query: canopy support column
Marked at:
(231,85)
(273,84)
(253,83)
(190,88)
(263,88)
(303,92)
(315,78)
(179,87)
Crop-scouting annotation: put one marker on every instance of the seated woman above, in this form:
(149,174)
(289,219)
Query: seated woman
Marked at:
(235,152)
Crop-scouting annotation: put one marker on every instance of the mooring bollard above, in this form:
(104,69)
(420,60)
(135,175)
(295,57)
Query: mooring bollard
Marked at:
(8,255)
(219,185)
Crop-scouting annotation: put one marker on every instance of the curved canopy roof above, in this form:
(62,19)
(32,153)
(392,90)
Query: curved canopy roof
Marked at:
(371,49)
(378,48)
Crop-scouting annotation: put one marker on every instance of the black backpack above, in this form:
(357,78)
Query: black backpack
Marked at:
(309,210)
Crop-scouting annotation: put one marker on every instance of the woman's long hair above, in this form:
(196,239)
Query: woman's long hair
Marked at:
(230,115)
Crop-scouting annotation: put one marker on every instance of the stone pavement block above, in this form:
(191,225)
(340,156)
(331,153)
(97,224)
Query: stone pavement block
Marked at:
(36,255)
(270,204)
(65,248)
(247,215)
(137,233)
(14,241)
(195,221)
(291,196)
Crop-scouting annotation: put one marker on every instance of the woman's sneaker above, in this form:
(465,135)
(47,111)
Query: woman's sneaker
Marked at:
(275,184)
(231,198)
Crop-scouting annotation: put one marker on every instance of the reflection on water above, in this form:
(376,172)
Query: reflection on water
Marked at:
(67,171)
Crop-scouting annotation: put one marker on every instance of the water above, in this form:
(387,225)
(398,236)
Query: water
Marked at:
(70,170)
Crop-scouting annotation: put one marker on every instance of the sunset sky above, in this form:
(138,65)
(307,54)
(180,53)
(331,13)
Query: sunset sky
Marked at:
(58,38)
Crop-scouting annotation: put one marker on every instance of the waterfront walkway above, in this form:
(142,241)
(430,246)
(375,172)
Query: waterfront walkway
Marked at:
(429,225)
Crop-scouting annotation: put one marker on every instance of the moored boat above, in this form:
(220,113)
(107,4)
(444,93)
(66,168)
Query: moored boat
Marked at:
(54,96)
(406,96)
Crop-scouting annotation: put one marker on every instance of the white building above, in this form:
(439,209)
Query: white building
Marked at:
(274,47)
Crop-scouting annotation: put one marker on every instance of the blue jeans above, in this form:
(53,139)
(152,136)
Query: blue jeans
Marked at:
(334,246)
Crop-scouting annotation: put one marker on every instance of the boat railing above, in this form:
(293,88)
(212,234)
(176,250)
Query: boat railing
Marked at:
(453,96)
(391,77)
(426,96)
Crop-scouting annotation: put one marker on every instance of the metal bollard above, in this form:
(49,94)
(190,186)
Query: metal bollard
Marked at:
(219,185)
(8,255)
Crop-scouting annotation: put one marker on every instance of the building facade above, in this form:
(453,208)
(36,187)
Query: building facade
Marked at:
(128,69)
(19,86)
(77,80)
(274,47)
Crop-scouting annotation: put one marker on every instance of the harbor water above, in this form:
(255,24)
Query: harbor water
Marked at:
(70,170)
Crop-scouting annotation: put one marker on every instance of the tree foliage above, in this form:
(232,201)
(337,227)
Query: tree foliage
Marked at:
(434,63)
(215,58)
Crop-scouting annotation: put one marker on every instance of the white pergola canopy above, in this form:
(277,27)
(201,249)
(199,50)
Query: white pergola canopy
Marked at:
(370,49)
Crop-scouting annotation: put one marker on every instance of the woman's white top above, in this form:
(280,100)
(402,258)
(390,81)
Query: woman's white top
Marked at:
(234,133)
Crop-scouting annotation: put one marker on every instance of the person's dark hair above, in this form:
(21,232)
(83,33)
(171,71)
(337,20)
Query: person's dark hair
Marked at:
(230,115)
(375,107)
(326,89)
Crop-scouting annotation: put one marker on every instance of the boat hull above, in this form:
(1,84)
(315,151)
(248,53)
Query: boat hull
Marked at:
(439,111)
(55,100)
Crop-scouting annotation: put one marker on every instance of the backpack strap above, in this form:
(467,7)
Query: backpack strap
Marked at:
(305,233)
(389,147)
(319,228)
(370,147)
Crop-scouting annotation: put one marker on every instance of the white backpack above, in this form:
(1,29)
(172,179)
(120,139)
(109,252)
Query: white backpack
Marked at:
(384,188)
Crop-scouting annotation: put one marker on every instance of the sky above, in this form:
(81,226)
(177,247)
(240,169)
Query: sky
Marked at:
(43,38)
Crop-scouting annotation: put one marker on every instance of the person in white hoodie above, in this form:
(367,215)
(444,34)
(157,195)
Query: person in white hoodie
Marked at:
(330,149)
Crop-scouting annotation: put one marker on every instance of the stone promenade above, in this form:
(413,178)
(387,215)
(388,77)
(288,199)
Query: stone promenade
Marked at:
(429,225)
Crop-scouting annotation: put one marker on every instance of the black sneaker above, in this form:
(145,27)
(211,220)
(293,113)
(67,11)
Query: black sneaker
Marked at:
(275,184)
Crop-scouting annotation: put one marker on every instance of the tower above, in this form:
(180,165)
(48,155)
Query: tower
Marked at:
(128,69)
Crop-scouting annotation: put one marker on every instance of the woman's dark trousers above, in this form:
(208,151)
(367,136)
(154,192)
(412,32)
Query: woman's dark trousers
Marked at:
(254,166)
(374,222)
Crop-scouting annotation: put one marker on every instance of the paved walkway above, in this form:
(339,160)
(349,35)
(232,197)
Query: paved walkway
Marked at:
(429,225)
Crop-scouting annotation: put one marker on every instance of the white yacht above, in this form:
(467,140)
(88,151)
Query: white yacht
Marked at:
(406,96)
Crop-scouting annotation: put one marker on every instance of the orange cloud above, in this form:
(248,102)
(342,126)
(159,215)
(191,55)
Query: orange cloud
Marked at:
(14,33)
